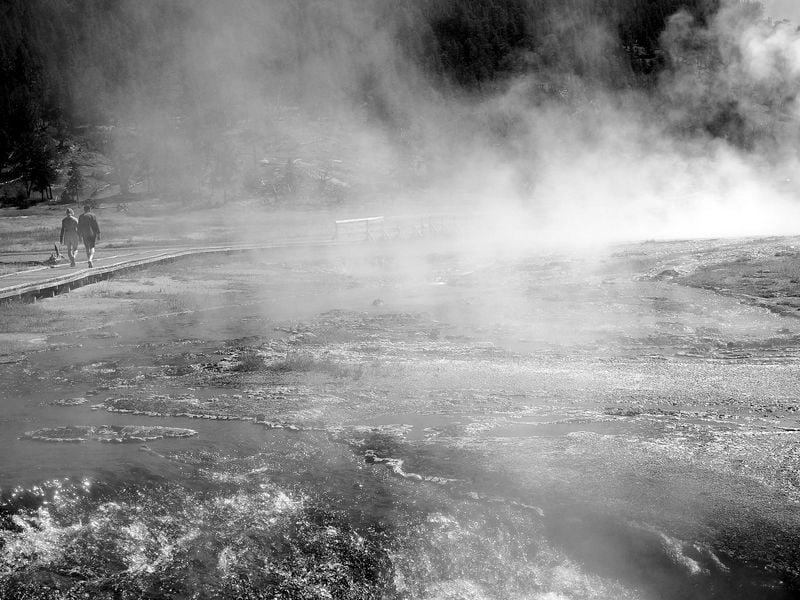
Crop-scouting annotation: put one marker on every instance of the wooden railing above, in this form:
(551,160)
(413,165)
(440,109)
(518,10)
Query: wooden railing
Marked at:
(370,226)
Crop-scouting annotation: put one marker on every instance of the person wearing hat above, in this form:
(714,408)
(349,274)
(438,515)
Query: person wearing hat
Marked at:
(69,235)
(89,231)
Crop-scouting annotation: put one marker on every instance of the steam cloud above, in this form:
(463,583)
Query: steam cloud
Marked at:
(710,152)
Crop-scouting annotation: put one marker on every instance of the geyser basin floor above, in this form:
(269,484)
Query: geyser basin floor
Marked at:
(414,422)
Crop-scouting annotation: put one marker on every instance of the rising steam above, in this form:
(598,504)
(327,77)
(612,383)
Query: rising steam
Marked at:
(710,151)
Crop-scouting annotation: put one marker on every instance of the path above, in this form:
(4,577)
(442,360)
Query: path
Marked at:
(46,281)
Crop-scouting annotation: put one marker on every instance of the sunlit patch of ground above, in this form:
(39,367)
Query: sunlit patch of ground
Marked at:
(769,279)
(85,433)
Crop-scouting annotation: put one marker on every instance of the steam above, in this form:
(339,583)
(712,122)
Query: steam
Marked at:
(709,152)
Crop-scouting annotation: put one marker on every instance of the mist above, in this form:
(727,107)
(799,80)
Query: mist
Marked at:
(598,414)
(569,141)
(710,152)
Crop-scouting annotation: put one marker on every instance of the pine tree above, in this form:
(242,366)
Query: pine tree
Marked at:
(75,183)
(38,165)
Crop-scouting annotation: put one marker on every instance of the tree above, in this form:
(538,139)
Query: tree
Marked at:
(21,123)
(119,144)
(75,183)
(38,166)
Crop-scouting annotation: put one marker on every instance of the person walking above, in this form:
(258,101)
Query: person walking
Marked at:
(69,235)
(89,230)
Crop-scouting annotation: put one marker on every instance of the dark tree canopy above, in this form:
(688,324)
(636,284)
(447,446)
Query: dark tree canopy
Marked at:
(83,59)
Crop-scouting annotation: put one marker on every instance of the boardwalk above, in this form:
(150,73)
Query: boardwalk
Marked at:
(46,281)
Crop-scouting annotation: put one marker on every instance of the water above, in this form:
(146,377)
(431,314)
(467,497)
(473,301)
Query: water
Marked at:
(484,447)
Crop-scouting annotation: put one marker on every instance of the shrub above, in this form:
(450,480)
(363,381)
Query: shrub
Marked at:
(249,361)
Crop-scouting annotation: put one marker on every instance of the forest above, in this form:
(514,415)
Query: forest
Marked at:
(130,70)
